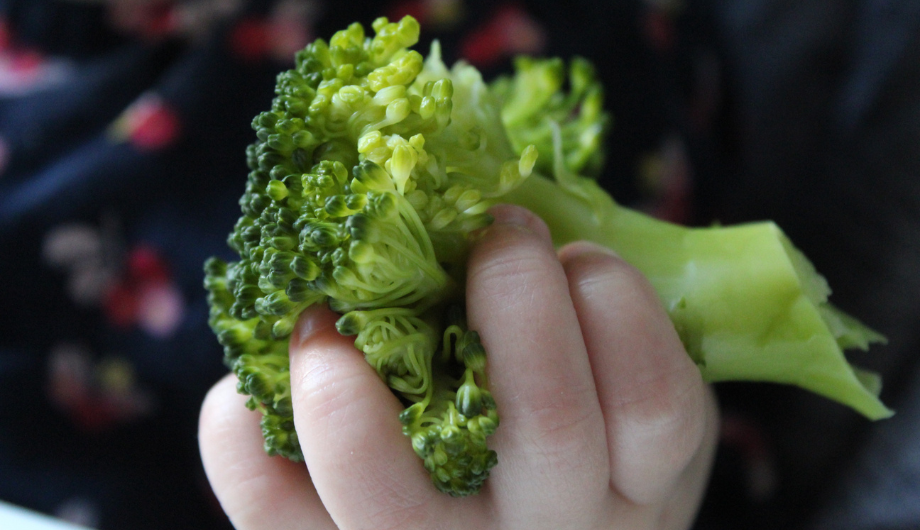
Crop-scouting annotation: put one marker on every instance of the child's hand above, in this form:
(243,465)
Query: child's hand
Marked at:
(605,421)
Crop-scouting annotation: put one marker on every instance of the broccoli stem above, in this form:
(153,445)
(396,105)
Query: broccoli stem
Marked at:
(747,305)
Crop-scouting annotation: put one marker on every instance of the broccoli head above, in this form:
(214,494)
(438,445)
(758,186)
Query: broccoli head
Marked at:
(363,189)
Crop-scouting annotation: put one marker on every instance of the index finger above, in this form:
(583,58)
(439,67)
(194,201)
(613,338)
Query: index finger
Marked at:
(551,445)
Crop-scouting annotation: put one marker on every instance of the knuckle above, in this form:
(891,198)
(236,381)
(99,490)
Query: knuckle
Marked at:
(558,415)
(561,428)
(600,276)
(662,398)
(506,263)
(509,268)
(669,408)
(658,435)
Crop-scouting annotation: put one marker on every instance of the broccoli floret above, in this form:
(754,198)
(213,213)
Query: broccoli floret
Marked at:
(533,103)
(363,190)
(370,173)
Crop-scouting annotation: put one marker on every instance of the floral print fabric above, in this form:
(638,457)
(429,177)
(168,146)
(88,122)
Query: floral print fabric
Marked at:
(123,125)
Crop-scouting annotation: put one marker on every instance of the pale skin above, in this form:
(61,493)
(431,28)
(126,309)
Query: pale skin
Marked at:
(605,421)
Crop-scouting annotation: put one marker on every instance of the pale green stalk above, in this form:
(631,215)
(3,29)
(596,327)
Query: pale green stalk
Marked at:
(747,304)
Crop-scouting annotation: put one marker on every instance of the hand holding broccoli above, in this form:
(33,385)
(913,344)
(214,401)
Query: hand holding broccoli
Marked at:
(610,425)
(369,177)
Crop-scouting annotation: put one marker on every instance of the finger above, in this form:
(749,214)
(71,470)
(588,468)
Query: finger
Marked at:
(551,442)
(255,490)
(364,468)
(681,508)
(651,393)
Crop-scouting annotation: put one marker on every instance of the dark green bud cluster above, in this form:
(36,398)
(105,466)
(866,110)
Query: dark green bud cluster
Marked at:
(449,426)
(454,449)
(534,104)
(260,363)
(443,377)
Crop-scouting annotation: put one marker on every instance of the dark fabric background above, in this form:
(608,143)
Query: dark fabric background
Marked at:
(123,125)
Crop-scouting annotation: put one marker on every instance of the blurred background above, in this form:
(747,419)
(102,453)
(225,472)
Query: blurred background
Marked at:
(123,125)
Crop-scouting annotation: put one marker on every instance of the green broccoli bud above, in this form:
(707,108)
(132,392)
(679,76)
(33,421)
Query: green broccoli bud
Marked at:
(452,444)
(370,173)
(450,417)
(533,104)
(280,436)
(469,396)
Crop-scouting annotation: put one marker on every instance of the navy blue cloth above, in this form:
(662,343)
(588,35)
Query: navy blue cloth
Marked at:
(123,127)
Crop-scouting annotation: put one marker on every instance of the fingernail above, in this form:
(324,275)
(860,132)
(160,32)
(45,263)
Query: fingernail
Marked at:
(311,322)
(507,214)
(511,215)
(585,248)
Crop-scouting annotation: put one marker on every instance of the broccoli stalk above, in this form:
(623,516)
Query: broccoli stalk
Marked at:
(747,305)
(370,173)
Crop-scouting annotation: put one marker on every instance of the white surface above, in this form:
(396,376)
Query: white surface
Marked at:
(16,518)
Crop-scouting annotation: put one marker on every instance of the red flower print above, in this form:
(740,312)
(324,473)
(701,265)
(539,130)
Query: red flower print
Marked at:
(95,394)
(286,30)
(249,39)
(24,69)
(149,123)
(435,14)
(150,19)
(510,31)
(145,295)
